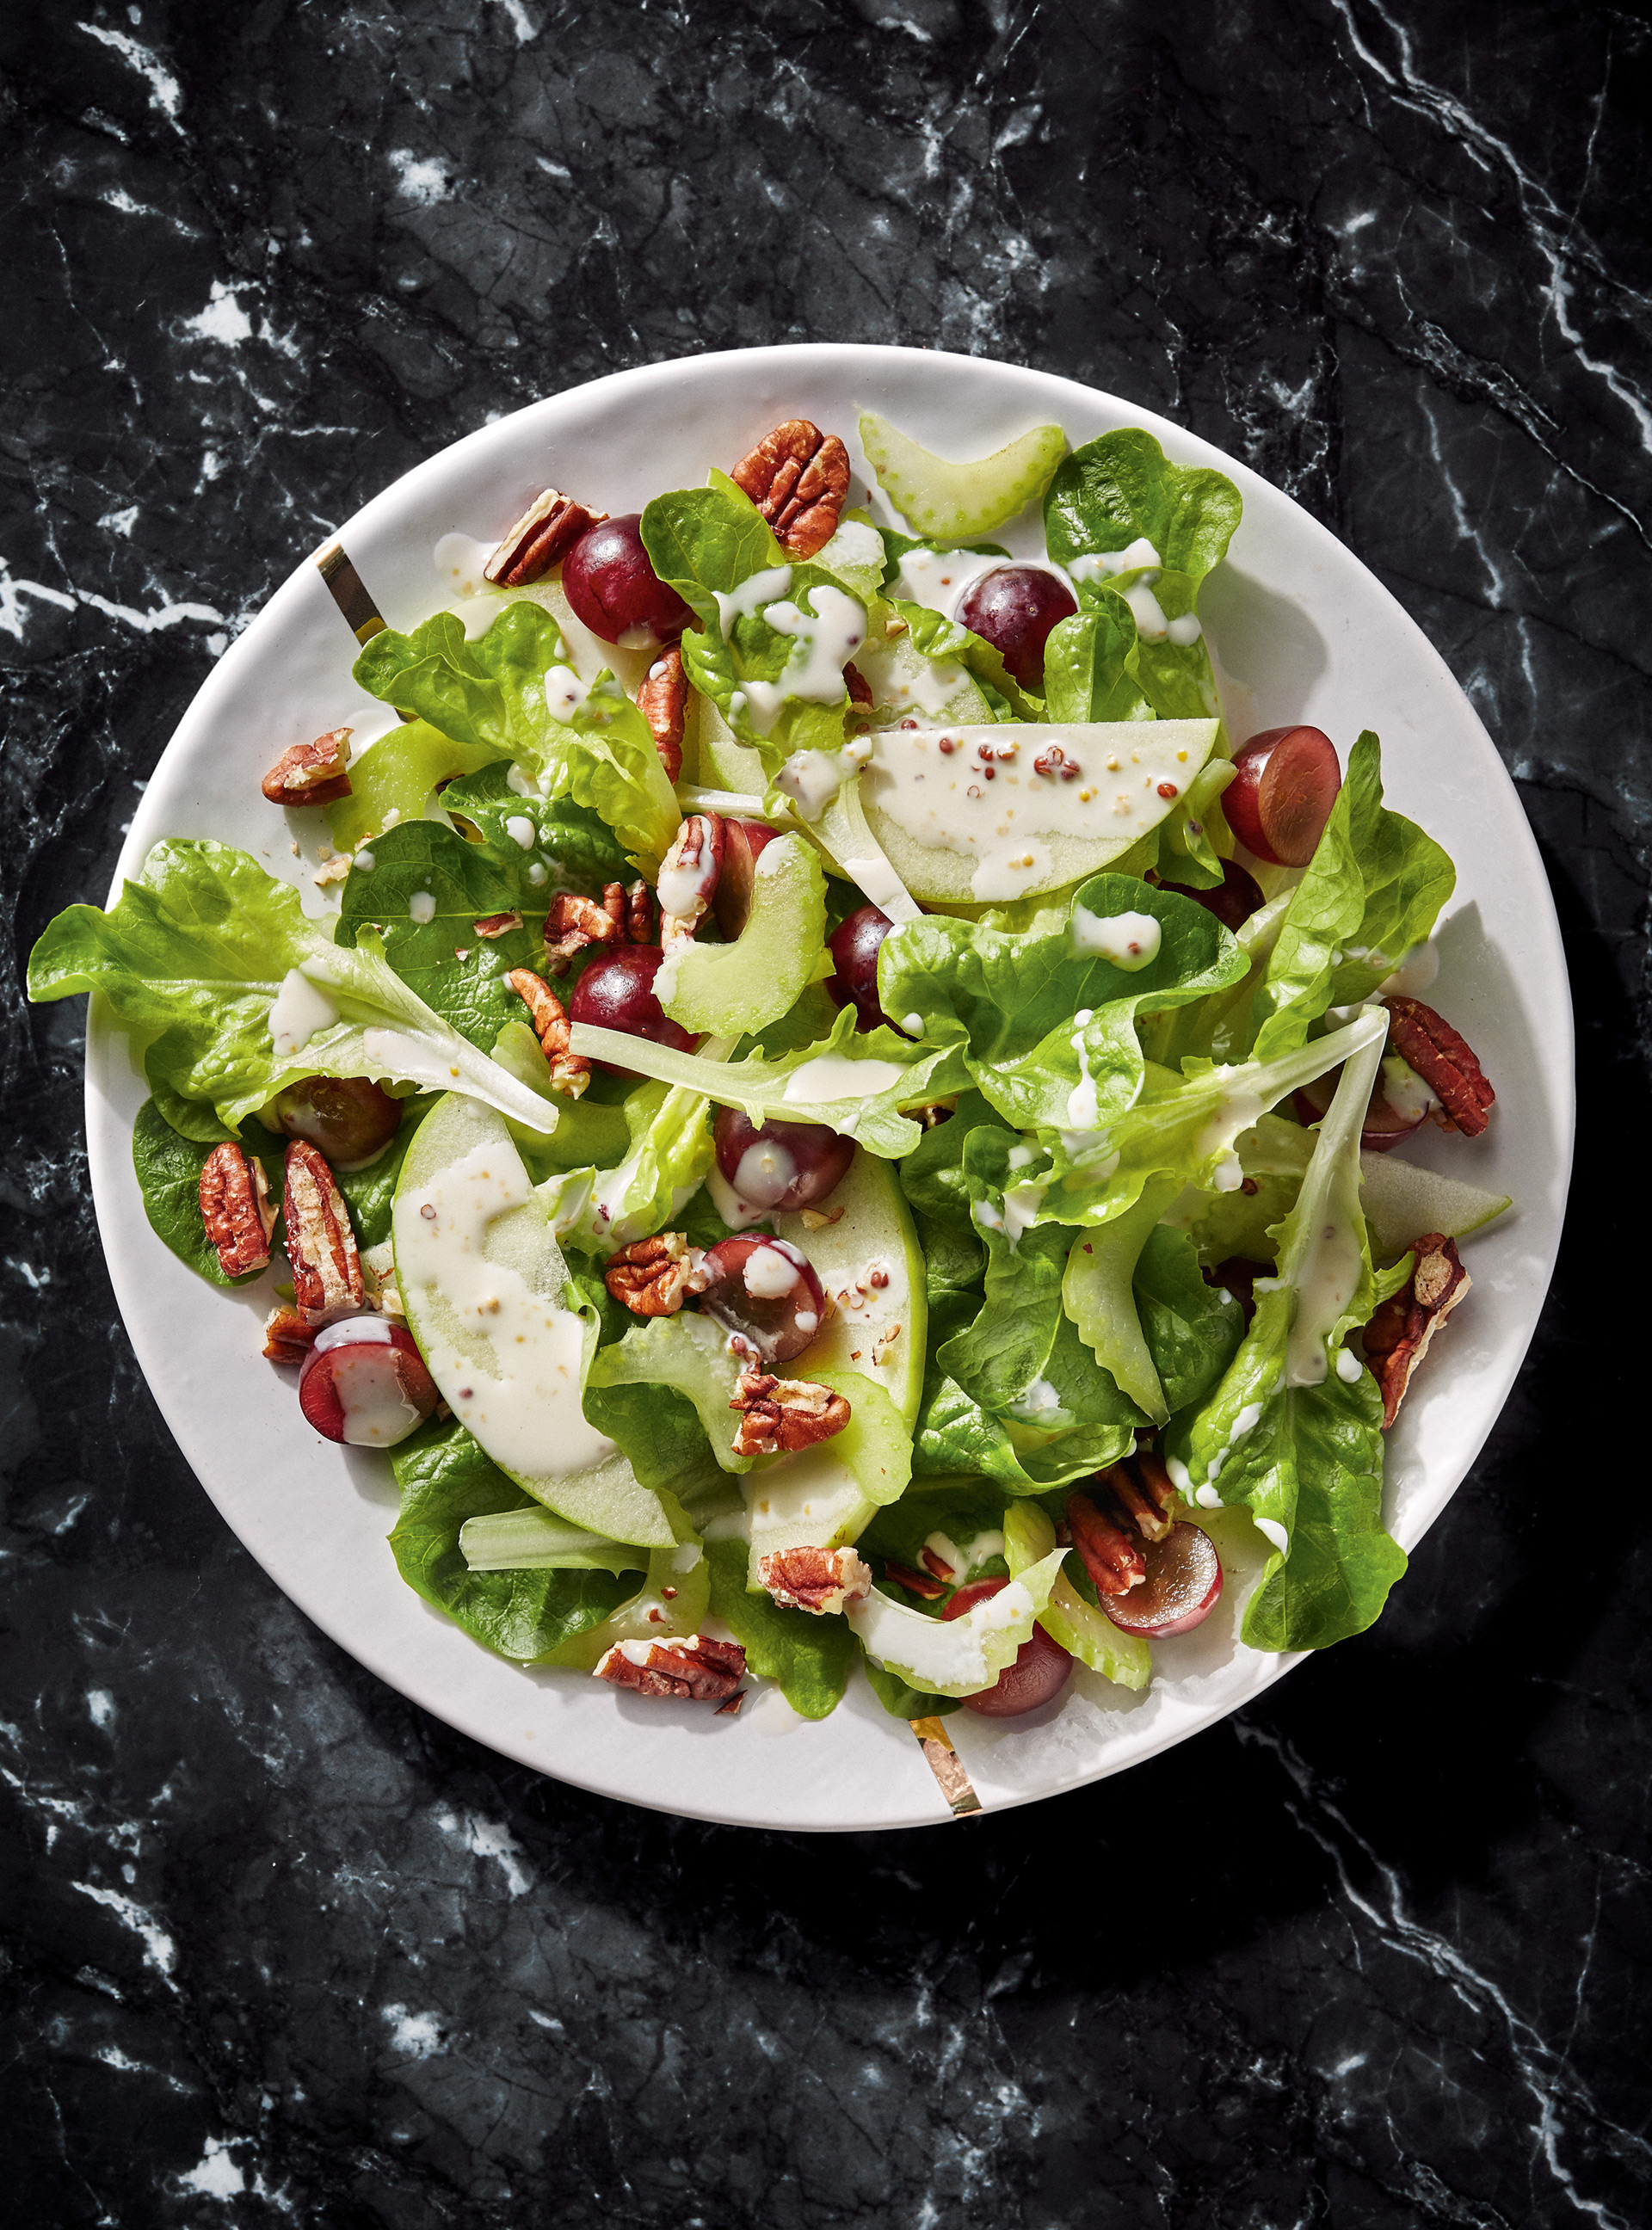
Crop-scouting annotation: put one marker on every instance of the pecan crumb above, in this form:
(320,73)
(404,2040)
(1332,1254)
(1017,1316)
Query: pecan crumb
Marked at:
(692,1666)
(546,531)
(312,774)
(653,1277)
(1397,1337)
(498,924)
(570,1072)
(798,479)
(287,1338)
(785,1414)
(816,1218)
(814,1579)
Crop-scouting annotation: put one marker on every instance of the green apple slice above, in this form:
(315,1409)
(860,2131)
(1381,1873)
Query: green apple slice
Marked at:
(482,1280)
(956,501)
(1402,1202)
(729,989)
(954,837)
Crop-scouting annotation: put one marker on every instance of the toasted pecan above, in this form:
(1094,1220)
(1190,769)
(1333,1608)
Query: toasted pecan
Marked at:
(798,479)
(1111,1557)
(321,1241)
(236,1210)
(785,1414)
(639,914)
(653,1277)
(287,1338)
(1400,1330)
(816,1580)
(1445,1061)
(573,923)
(688,876)
(663,702)
(691,1666)
(546,531)
(312,774)
(570,1072)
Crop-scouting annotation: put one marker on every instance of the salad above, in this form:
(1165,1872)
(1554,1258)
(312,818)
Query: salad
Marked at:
(830,1124)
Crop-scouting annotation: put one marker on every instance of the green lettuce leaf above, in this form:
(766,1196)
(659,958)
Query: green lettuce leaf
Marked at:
(809,1657)
(669,1152)
(199,951)
(573,845)
(872,1115)
(1012,997)
(1122,488)
(1373,888)
(168,1168)
(941,639)
(464,883)
(1293,1431)
(445,1478)
(955,1436)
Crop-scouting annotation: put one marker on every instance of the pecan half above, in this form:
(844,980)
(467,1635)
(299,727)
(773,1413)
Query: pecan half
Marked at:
(692,1666)
(320,1244)
(787,1413)
(1146,1503)
(653,1277)
(570,1072)
(688,876)
(287,1338)
(573,923)
(1397,1338)
(1445,1061)
(663,702)
(1111,1557)
(236,1210)
(549,527)
(312,774)
(498,924)
(639,914)
(797,477)
(817,1580)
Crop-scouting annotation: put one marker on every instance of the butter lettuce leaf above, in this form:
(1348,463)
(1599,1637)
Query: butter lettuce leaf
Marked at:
(1373,888)
(1122,488)
(572,843)
(955,1436)
(810,1657)
(197,952)
(669,1151)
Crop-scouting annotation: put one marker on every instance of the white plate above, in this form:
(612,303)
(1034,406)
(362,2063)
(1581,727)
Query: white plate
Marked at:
(1302,631)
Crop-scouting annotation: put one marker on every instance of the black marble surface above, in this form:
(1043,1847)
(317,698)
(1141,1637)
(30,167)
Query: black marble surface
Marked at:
(280,1948)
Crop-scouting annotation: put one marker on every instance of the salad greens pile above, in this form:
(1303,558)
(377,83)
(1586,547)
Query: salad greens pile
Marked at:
(1075,1137)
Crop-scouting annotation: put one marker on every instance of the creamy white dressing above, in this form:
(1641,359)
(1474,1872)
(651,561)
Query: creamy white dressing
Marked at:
(748,600)
(459,560)
(769,1273)
(300,1010)
(1348,1365)
(1229,1173)
(564,692)
(941,578)
(1040,1405)
(508,1360)
(1208,1498)
(1404,1090)
(377,1412)
(1011,868)
(1106,564)
(735,1212)
(765,1172)
(421,908)
(520,830)
(1152,625)
(539,874)
(1082,1111)
(991,789)
(1129,941)
(876,878)
(811,780)
(834,1076)
(899,675)
(1275,1532)
(365,861)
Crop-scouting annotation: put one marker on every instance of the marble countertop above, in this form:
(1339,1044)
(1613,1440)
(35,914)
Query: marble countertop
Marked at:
(279,1947)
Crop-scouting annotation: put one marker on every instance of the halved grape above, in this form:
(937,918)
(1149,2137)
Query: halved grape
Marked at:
(607,577)
(955,502)
(1014,607)
(1183,1580)
(616,993)
(853,945)
(363,1383)
(348,1119)
(765,1291)
(1038,1672)
(1238,896)
(777,1166)
(742,842)
(1281,798)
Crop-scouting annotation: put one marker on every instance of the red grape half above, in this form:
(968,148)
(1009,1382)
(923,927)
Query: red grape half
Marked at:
(607,577)
(1281,798)
(1038,1672)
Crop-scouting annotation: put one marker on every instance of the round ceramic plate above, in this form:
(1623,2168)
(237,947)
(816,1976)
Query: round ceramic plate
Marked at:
(1301,631)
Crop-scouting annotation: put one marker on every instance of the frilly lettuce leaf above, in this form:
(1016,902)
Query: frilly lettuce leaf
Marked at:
(1293,1432)
(709,543)
(198,952)
(870,1114)
(670,1151)
(1122,488)
(492,692)
(1012,997)
(1373,888)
